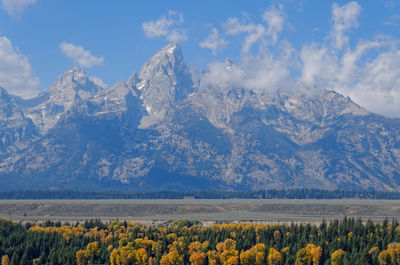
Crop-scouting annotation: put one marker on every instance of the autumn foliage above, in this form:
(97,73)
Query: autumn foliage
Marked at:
(188,242)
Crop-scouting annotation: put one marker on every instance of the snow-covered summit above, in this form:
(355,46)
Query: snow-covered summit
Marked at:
(162,81)
(73,84)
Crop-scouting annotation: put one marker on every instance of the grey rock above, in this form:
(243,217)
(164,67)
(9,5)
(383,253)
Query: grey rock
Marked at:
(164,129)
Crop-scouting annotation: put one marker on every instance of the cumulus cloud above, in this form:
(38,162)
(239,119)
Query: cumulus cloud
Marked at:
(368,72)
(319,66)
(164,27)
(378,88)
(373,81)
(254,32)
(344,18)
(262,72)
(15,7)
(80,56)
(213,42)
(274,17)
(15,71)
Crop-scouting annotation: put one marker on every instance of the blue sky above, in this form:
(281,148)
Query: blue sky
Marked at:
(351,47)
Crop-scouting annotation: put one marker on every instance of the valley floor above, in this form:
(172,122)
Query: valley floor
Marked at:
(208,211)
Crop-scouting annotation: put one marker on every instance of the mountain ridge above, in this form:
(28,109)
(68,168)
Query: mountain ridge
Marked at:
(163,129)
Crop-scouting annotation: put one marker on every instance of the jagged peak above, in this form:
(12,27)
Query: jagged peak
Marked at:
(169,57)
(76,79)
(74,73)
(133,79)
(171,49)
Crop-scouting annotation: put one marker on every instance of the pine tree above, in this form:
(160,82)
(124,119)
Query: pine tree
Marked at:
(365,258)
(14,259)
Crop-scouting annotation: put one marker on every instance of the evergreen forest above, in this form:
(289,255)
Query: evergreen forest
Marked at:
(346,241)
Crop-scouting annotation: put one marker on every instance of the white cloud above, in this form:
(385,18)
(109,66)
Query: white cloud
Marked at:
(15,7)
(319,66)
(373,81)
(344,18)
(164,27)
(15,71)
(213,42)
(263,72)
(177,35)
(254,32)
(369,72)
(378,88)
(98,81)
(274,17)
(80,56)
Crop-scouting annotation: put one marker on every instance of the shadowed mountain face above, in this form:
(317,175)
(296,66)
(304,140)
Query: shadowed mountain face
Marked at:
(163,129)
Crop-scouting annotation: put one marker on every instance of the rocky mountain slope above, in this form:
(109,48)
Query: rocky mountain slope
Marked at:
(165,129)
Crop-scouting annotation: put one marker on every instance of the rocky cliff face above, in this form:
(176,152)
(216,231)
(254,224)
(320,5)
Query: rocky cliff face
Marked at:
(16,130)
(164,129)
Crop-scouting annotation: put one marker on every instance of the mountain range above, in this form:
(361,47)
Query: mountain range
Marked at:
(164,129)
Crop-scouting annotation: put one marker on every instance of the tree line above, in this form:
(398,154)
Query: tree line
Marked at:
(261,194)
(346,242)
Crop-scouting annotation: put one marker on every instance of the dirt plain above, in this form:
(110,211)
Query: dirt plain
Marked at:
(208,211)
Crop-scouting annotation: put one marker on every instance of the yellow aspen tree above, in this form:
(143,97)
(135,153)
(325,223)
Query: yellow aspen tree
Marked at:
(194,247)
(316,253)
(274,257)
(384,258)
(253,256)
(115,257)
(204,246)
(126,255)
(246,258)
(229,244)
(5,260)
(80,255)
(141,256)
(373,250)
(232,260)
(337,257)
(397,246)
(303,257)
(197,258)
(213,257)
(171,258)
(394,250)
(259,251)
(308,255)
(92,249)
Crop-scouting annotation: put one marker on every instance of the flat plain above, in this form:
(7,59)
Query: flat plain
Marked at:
(144,211)
(239,210)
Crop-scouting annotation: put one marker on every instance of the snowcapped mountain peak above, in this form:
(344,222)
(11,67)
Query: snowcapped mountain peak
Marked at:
(168,59)
(161,126)
(73,81)
(74,84)
(164,80)
(74,74)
